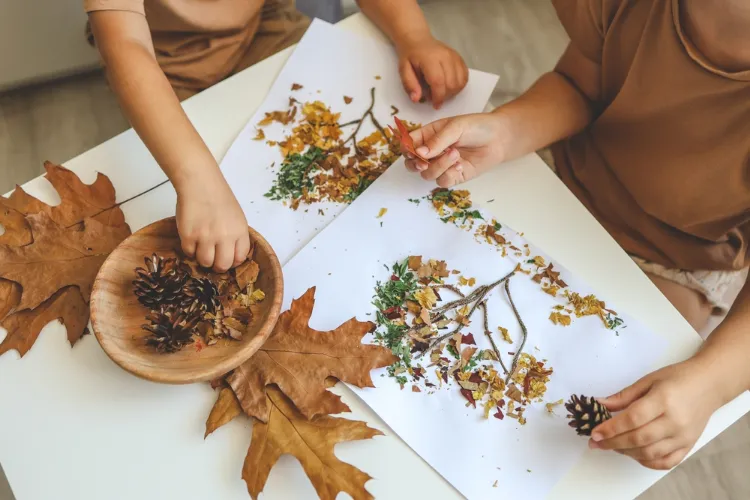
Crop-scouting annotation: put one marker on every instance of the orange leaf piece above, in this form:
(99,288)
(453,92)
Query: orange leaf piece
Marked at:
(311,442)
(66,306)
(57,258)
(405,140)
(298,359)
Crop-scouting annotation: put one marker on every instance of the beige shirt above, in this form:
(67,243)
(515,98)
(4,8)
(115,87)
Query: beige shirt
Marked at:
(665,166)
(200,42)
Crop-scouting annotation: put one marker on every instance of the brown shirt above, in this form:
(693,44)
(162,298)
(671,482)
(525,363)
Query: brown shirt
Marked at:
(200,42)
(665,166)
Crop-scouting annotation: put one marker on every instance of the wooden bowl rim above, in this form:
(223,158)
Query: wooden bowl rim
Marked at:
(224,365)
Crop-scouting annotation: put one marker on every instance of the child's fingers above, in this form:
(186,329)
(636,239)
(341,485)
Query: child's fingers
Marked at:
(636,415)
(653,432)
(668,462)
(188,246)
(205,253)
(409,80)
(434,75)
(241,249)
(442,136)
(625,397)
(439,166)
(412,165)
(224,257)
(453,176)
(653,451)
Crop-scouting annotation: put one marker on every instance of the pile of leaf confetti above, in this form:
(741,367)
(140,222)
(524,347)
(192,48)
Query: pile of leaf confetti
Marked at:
(454,206)
(414,320)
(324,160)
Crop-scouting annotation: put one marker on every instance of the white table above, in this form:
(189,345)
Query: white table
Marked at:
(75,426)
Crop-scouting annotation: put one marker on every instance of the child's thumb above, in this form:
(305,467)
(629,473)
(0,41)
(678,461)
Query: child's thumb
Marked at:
(442,139)
(626,397)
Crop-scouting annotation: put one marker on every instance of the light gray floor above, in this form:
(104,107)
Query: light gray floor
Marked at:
(517,39)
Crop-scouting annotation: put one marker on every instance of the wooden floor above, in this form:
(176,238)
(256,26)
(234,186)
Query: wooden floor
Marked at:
(517,39)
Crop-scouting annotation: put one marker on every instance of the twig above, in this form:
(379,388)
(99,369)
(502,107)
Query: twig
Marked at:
(476,297)
(359,125)
(524,331)
(487,332)
(124,201)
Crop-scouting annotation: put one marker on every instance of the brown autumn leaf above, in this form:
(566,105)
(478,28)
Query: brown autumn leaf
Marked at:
(57,258)
(78,200)
(298,360)
(66,306)
(17,232)
(226,409)
(10,296)
(312,442)
(246,273)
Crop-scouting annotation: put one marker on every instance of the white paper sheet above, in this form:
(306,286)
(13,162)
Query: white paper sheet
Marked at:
(345,261)
(329,63)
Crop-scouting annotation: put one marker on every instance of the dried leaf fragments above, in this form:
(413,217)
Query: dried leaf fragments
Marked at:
(49,255)
(298,360)
(321,162)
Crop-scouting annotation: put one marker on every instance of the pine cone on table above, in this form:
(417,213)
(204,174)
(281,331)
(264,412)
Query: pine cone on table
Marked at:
(160,282)
(171,327)
(203,293)
(585,414)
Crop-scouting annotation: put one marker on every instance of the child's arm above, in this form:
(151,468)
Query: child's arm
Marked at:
(558,105)
(211,223)
(664,413)
(421,56)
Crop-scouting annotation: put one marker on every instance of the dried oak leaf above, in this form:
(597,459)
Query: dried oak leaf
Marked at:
(226,409)
(298,360)
(66,306)
(246,273)
(77,201)
(57,258)
(10,296)
(312,442)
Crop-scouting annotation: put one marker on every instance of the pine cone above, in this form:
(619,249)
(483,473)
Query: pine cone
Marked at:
(585,414)
(203,293)
(160,282)
(171,327)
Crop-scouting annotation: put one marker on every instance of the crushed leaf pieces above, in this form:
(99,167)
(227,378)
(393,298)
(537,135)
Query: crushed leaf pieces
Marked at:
(382,212)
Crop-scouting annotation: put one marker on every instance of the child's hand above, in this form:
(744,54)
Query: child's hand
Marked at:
(434,63)
(458,149)
(211,224)
(663,415)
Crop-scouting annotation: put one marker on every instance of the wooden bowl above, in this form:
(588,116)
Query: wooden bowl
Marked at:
(117,316)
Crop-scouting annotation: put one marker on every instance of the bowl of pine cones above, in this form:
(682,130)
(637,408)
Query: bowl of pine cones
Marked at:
(162,317)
